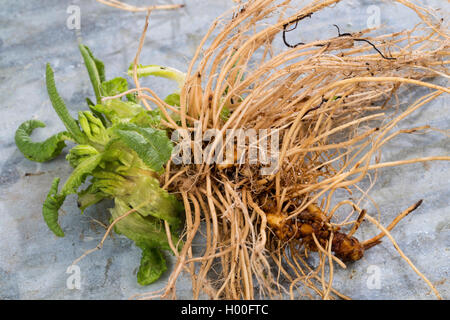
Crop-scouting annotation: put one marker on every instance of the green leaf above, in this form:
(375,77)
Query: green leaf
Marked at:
(152,145)
(98,64)
(147,119)
(114,87)
(39,151)
(159,71)
(96,70)
(61,109)
(79,153)
(117,151)
(126,177)
(96,113)
(153,265)
(173,99)
(149,234)
(50,208)
(90,196)
(80,174)
(93,127)
(111,183)
(144,231)
(117,111)
(89,102)
(132,97)
(225,114)
(159,203)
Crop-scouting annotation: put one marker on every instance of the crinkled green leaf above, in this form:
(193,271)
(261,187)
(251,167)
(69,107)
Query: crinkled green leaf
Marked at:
(132,97)
(173,99)
(96,70)
(152,145)
(158,202)
(50,208)
(79,153)
(153,265)
(149,234)
(96,113)
(117,151)
(39,151)
(119,158)
(147,118)
(111,183)
(114,87)
(61,109)
(117,111)
(98,64)
(90,196)
(93,127)
(145,231)
(126,177)
(80,174)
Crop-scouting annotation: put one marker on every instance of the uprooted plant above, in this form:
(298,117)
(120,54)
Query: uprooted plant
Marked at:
(330,102)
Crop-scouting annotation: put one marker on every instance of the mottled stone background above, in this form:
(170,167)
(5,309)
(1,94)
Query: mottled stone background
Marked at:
(33,262)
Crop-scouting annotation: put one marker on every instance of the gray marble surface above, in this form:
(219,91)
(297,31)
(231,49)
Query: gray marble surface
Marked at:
(33,262)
